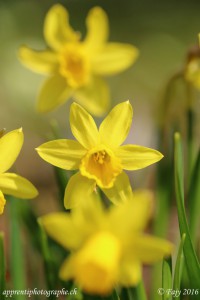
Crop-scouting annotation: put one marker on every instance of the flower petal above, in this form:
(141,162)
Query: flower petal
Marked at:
(95,97)
(66,271)
(83,126)
(121,191)
(78,189)
(17,186)
(149,249)
(44,62)
(114,58)
(54,92)
(135,157)
(60,227)
(2,202)
(115,127)
(136,211)
(97,29)
(10,146)
(130,273)
(57,30)
(65,154)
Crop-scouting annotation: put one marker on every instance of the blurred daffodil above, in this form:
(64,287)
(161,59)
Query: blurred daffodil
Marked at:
(192,72)
(98,154)
(74,66)
(108,246)
(11,183)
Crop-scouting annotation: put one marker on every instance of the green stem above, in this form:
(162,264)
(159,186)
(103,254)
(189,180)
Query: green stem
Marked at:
(48,264)
(191,259)
(2,267)
(17,255)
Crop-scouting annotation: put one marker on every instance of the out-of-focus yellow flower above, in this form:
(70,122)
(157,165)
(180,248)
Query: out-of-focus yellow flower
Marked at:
(108,246)
(98,154)
(75,67)
(192,72)
(11,183)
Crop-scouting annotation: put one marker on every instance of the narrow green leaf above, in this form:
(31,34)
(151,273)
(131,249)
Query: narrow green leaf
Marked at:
(179,266)
(167,277)
(138,292)
(194,200)
(16,256)
(48,264)
(192,263)
(2,267)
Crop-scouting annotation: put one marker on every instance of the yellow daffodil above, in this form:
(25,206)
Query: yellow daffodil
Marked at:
(11,183)
(98,154)
(75,66)
(108,246)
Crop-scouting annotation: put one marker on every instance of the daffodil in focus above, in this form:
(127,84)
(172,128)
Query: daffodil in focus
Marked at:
(75,66)
(108,246)
(11,183)
(97,154)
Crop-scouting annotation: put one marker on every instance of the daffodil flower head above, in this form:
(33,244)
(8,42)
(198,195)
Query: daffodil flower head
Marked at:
(108,246)
(74,65)
(98,154)
(11,183)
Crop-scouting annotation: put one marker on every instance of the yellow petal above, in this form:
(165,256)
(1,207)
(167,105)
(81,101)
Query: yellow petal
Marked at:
(53,93)
(66,271)
(114,58)
(60,227)
(130,273)
(135,213)
(95,97)
(83,126)
(97,29)
(17,186)
(57,30)
(65,154)
(149,249)
(135,157)
(2,202)
(115,127)
(10,146)
(78,189)
(44,62)
(121,191)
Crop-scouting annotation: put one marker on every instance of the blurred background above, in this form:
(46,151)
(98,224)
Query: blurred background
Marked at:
(162,30)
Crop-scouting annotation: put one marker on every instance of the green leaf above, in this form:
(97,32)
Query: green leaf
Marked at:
(167,277)
(179,266)
(17,256)
(194,200)
(191,259)
(2,267)
(48,264)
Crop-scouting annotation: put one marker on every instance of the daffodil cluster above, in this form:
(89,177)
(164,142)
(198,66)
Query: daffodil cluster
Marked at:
(107,245)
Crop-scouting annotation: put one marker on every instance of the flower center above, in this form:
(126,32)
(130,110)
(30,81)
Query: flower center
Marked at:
(101,165)
(2,202)
(96,264)
(74,65)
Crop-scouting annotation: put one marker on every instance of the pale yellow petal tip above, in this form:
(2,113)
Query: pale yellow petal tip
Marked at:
(57,8)
(177,136)
(97,10)
(20,129)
